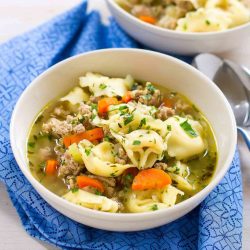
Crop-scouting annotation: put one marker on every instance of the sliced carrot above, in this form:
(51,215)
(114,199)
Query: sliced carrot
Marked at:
(127,97)
(51,167)
(151,179)
(104,104)
(85,181)
(168,102)
(148,19)
(90,135)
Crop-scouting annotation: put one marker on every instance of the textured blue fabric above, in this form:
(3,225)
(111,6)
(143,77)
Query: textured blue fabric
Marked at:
(215,224)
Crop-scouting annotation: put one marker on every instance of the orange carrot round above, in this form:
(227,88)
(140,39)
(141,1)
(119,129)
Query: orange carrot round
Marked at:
(151,179)
(148,19)
(104,104)
(127,97)
(85,181)
(51,167)
(90,135)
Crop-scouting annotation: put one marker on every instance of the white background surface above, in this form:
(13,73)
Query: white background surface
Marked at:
(17,16)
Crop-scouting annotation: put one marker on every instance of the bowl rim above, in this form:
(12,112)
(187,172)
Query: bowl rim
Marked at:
(123,216)
(161,31)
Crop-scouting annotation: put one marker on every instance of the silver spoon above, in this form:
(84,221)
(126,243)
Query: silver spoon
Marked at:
(229,79)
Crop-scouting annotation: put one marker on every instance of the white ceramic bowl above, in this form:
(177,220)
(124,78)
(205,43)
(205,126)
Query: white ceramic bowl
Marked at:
(175,41)
(144,65)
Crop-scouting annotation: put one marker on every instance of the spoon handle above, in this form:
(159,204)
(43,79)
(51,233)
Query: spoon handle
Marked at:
(245,136)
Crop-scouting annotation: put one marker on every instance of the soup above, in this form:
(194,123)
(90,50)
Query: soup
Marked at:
(189,15)
(121,145)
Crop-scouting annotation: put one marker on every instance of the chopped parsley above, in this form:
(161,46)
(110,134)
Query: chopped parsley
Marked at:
(31,144)
(151,88)
(128,118)
(123,107)
(142,122)
(207,22)
(169,127)
(136,142)
(107,138)
(87,151)
(188,129)
(129,177)
(97,192)
(94,106)
(74,190)
(102,86)
(154,207)
(42,165)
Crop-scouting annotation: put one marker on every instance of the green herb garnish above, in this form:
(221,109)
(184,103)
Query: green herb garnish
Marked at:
(74,190)
(123,107)
(142,122)
(154,207)
(102,86)
(106,138)
(94,106)
(188,129)
(136,142)
(97,192)
(31,144)
(151,88)
(42,165)
(87,151)
(129,118)
(169,128)
(129,177)
(208,22)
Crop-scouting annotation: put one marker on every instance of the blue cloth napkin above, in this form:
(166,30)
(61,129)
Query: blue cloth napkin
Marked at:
(215,224)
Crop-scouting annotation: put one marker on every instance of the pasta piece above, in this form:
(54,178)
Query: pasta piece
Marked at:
(150,200)
(75,96)
(125,118)
(101,85)
(236,11)
(181,144)
(100,159)
(179,173)
(204,20)
(143,147)
(92,201)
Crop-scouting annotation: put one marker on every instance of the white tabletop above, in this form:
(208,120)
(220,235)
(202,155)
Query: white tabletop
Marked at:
(22,15)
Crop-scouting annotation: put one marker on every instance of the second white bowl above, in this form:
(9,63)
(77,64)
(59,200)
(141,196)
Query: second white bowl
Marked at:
(175,41)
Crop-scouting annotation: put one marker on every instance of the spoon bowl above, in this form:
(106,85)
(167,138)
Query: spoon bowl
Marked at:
(233,82)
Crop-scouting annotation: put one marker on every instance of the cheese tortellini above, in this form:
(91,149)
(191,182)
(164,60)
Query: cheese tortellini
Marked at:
(93,201)
(131,116)
(145,201)
(100,160)
(101,85)
(180,173)
(143,147)
(180,144)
